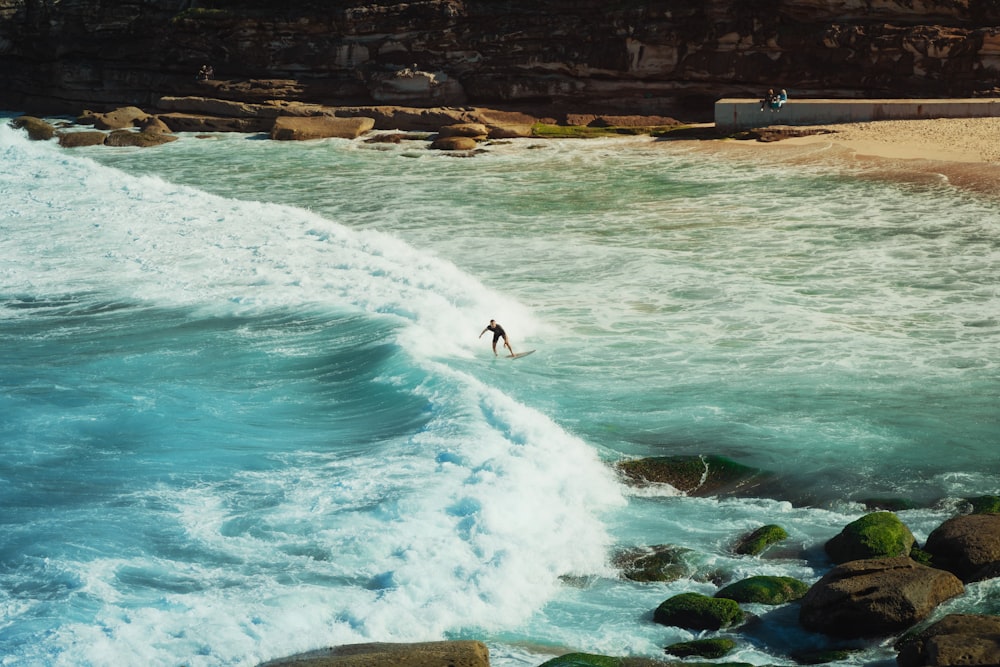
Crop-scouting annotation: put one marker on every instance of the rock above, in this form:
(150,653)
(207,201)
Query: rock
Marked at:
(427,654)
(454,144)
(764,590)
(476,131)
(412,87)
(207,106)
(873,598)
(985,504)
(154,125)
(138,139)
(756,542)
(182,122)
(876,535)
(703,648)
(38,129)
(957,639)
(694,611)
(78,139)
(289,128)
(693,475)
(597,660)
(657,563)
(968,546)
(119,118)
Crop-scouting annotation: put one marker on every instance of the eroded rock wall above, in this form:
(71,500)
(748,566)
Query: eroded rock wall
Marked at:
(634,56)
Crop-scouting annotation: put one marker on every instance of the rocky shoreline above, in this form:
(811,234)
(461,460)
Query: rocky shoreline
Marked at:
(882,587)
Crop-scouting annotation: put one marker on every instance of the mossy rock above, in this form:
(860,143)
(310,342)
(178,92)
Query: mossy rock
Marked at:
(921,556)
(694,611)
(876,535)
(597,660)
(703,648)
(985,504)
(764,590)
(756,542)
(694,475)
(662,562)
(37,129)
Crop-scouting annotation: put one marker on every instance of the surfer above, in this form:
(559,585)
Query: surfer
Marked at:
(498,333)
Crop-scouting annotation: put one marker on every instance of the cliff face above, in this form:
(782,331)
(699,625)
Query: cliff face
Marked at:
(63,55)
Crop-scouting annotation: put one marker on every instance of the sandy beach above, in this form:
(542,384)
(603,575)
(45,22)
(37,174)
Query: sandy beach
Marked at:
(964,152)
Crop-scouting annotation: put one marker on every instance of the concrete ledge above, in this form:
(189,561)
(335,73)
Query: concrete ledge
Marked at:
(732,115)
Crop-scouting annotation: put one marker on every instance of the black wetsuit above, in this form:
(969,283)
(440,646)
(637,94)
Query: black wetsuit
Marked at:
(497,332)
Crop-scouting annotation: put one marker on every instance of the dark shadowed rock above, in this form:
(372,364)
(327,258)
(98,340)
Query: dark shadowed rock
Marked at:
(294,128)
(662,562)
(694,475)
(968,546)
(427,654)
(715,647)
(874,598)
(957,639)
(876,535)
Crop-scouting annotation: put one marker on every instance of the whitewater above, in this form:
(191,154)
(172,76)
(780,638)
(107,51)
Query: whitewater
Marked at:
(245,411)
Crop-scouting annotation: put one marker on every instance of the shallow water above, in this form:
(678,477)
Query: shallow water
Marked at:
(245,411)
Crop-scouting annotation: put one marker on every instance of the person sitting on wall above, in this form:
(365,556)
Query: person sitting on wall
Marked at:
(767,100)
(782,98)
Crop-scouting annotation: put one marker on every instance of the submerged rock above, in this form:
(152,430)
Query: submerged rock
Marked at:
(694,475)
(662,562)
(716,647)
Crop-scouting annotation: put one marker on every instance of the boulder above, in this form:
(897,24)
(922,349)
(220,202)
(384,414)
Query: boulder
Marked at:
(119,118)
(985,504)
(957,639)
(426,654)
(716,647)
(661,562)
(37,129)
(476,131)
(764,590)
(296,128)
(694,475)
(967,545)
(597,660)
(454,144)
(78,139)
(874,598)
(694,611)
(756,542)
(207,106)
(153,124)
(138,139)
(183,122)
(876,535)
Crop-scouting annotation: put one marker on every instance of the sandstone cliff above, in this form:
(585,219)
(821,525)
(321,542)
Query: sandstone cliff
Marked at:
(637,57)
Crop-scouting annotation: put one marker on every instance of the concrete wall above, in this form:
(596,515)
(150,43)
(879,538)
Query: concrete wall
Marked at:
(743,114)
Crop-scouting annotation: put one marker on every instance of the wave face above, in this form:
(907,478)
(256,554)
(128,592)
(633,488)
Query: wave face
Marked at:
(245,412)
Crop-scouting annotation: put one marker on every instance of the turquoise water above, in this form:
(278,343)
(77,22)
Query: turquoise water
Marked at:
(245,412)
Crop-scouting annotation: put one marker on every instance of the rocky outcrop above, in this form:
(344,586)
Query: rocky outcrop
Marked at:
(293,128)
(873,598)
(876,535)
(957,639)
(643,58)
(694,475)
(694,611)
(425,654)
(968,546)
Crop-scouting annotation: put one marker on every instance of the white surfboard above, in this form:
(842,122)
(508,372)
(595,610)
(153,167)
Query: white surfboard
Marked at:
(519,354)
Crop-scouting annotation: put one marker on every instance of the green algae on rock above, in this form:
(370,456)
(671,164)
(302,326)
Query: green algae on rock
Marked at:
(694,475)
(662,562)
(716,647)
(694,611)
(764,590)
(756,542)
(876,535)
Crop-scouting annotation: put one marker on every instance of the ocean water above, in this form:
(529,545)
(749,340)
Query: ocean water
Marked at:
(244,411)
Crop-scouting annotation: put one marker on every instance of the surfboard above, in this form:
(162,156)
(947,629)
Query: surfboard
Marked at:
(520,354)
